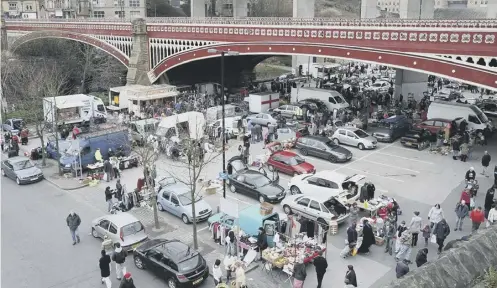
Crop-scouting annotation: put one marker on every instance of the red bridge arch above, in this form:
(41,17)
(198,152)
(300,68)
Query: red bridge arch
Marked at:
(102,45)
(468,73)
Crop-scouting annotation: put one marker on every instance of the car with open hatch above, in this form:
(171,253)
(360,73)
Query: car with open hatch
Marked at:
(319,208)
(22,170)
(176,198)
(327,182)
(354,137)
(122,228)
(253,183)
(173,261)
(322,147)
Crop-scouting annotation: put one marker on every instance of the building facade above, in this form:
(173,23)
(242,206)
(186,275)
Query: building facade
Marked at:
(393,6)
(21,9)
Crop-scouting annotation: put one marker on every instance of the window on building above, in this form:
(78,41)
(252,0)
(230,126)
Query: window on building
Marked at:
(134,14)
(118,3)
(99,14)
(119,14)
(29,8)
(12,6)
(134,3)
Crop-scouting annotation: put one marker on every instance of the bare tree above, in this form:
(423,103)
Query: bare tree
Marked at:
(189,169)
(26,88)
(270,8)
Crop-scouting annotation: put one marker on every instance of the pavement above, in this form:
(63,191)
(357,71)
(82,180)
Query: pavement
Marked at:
(417,179)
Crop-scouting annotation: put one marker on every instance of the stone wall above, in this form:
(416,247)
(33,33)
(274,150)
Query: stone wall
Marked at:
(457,267)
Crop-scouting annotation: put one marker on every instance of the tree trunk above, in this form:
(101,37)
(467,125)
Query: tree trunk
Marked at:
(150,185)
(194,226)
(39,133)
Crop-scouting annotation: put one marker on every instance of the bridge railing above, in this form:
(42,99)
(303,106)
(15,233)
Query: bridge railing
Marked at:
(269,21)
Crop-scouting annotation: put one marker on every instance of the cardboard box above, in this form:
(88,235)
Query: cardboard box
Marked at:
(266,209)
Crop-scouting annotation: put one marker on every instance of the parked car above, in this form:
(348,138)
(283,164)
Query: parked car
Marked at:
(289,163)
(13,125)
(354,137)
(178,264)
(175,198)
(417,138)
(329,183)
(51,150)
(289,111)
(379,86)
(433,125)
(390,129)
(22,170)
(320,208)
(253,183)
(122,228)
(262,119)
(322,147)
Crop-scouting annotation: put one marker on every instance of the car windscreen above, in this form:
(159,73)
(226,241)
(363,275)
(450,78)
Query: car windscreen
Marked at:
(338,99)
(186,199)
(189,264)
(331,144)
(21,165)
(132,228)
(361,134)
(259,181)
(296,160)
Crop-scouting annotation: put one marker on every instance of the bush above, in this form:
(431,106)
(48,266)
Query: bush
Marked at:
(490,278)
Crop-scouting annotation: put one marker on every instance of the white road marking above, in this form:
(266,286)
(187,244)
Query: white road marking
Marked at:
(404,148)
(373,174)
(406,158)
(202,229)
(391,166)
(374,152)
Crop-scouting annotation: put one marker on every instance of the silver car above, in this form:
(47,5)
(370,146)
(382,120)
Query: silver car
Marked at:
(354,137)
(320,208)
(122,228)
(175,198)
(289,111)
(22,170)
(262,119)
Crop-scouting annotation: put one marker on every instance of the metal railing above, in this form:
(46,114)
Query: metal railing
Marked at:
(268,21)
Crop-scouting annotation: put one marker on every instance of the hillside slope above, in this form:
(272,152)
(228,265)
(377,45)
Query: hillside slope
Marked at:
(338,8)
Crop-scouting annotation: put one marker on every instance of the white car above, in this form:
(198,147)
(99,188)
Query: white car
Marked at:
(320,208)
(354,137)
(380,86)
(122,228)
(328,183)
(263,119)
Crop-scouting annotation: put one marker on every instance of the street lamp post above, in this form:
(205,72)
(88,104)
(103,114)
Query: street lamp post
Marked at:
(223,53)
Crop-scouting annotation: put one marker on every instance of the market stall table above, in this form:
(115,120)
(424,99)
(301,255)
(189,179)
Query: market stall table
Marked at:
(96,170)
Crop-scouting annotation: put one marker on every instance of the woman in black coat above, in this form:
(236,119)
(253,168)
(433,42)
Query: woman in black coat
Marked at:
(104,264)
(350,277)
(368,238)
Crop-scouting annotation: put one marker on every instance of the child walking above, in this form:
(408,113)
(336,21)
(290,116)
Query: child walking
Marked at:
(426,234)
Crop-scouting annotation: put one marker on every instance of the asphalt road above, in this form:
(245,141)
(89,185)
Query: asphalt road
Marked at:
(37,250)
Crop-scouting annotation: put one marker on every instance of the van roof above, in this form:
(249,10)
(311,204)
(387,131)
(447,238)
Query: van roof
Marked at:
(473,108)
(146,121)
(102,132)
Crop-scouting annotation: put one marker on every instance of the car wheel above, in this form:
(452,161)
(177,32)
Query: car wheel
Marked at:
(268,123)
(185,219)
(270,168)
(94,233)
(261,199)
(303,151)
(232,188)
(139,263)
(336,141)
(332,159)
(171,283)
(159,207)
(360,146)
(18,181)
(294,190)
(287,209)
(3,172)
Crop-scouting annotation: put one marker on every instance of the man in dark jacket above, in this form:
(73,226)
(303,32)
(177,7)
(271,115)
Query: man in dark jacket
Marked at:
(119,256)
(363,196)
(73,221)
(261,241)
(127,281)
(441,231)
(489,200)
(401,269)
(321,264)
(485,161)
(104,264)
(422,257)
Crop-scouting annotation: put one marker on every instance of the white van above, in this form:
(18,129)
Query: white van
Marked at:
(331,98)
(476,119)
(231,125)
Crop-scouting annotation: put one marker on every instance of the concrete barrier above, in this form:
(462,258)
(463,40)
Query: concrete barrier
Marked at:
(457,267)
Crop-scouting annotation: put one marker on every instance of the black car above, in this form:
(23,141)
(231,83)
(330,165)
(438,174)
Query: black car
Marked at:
(388,130)
(254,183)
(322,147)
(177,263)
(417,138)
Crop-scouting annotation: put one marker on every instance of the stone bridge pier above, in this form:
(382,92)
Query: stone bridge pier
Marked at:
(139,61)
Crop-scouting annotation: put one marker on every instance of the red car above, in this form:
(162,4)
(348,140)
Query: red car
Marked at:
(289,163)
(433,125)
